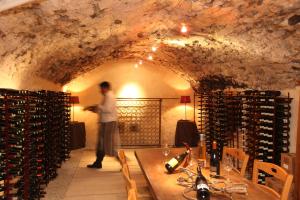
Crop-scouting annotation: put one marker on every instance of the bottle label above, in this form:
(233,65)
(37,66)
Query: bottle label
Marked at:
(202,186)
(173,162)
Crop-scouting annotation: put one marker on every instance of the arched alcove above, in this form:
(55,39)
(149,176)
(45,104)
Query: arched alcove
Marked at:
(129,81)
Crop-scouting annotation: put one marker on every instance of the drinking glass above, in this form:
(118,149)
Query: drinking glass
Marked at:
(228,166)
(191,159)
(165,152)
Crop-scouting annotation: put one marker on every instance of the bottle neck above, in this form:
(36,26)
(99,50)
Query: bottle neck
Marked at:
(214,146)
(199,170)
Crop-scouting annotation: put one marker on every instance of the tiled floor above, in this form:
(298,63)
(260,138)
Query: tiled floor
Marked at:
(76,182)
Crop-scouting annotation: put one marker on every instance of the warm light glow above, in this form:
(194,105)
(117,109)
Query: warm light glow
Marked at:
(183,28)
(150,57)
(179,84)
(136,65)
(175,42)
(65,88)
(130,90)
(78,111)
(140,62)
(78,108)
(179,111)
(154,48)
(183,41)
(181,107)
(182,86)
(221,41)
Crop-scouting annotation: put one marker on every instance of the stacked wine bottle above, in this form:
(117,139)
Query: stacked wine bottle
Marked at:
(248,128)
(202,111)
(214,120)
(219,125)
(12,139)
(24,137)
(283,114)
(233,103)
(257,121)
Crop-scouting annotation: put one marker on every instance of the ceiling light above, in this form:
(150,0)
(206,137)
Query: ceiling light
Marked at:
(136,65)
(183,28)
(65,88)
(154,48)
(150,57)
(140,62)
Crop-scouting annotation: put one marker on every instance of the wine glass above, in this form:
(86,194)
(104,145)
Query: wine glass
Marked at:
(191,159)
(228,166)
(165,151)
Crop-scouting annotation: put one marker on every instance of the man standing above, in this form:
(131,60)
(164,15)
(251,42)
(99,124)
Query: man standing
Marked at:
(108,134)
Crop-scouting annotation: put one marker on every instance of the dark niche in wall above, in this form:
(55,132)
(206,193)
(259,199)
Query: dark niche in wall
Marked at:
(217,82)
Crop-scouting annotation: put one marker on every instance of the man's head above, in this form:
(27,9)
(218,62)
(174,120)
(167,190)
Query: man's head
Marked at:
(104,87)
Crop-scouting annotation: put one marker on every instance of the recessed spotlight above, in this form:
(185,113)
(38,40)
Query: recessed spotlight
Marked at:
(154,48)
(150,57)
(140,62)
(183,28)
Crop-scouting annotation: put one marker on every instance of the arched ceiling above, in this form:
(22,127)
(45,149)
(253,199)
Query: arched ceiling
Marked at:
(257,42)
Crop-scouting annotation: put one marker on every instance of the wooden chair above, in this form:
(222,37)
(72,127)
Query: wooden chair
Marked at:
(122,157)
(276,171)
(130,184)
(132,195)
(238,154)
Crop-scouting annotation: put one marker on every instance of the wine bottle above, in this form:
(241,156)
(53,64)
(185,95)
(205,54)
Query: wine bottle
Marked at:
(176,161)
(214,161)
(202,186)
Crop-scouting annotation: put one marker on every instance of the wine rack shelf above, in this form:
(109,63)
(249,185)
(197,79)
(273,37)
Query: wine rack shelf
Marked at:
(34,140)
(257,121)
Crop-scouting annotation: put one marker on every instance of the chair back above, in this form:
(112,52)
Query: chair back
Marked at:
(122,157)
(276,171)
(132,195)
(238,154)
(130,184)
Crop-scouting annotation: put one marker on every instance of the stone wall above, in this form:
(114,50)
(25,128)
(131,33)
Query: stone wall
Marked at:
(255,42)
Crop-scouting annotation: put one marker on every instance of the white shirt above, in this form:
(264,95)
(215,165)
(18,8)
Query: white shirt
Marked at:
(108,108)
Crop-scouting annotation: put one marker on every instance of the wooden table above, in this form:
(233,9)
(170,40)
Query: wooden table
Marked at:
(164,186)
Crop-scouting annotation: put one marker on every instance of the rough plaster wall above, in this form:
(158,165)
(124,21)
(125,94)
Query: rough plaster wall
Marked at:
(256,42)
(17,81)
(149,81)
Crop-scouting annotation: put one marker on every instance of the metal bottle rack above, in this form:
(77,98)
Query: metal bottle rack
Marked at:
(257,121)
(34,136)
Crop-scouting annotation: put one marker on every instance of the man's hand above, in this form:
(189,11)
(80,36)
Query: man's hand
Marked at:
(93,108)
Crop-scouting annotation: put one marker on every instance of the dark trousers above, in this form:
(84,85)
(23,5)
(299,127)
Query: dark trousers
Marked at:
(100,156)
(107,140)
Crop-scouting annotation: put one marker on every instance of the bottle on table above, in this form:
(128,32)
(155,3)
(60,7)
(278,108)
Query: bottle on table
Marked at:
(175,162)
(202,186)
(214,161)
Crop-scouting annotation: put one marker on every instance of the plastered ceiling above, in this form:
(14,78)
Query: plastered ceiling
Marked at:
(256,42)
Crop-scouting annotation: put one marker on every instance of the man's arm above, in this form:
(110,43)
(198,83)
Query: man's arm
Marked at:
(93,108)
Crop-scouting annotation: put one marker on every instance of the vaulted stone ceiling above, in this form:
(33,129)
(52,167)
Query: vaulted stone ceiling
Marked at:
(257,42)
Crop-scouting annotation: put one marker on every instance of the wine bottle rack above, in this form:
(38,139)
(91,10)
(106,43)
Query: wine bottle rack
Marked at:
(28,162)
(201,102)
(257,121)
(233,103)
(218,117)
(283,115)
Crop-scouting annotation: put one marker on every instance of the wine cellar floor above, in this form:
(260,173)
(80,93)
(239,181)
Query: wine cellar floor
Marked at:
(76,182)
